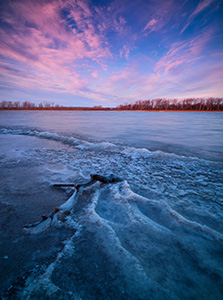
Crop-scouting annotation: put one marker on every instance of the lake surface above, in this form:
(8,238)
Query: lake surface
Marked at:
(183,133)
(157,234)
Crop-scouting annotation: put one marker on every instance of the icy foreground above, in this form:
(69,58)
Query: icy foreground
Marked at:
(130,247)
(157,235)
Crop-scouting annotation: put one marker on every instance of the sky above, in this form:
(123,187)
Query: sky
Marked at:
(110,52)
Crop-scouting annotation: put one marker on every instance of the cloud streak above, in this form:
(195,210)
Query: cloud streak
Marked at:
(183,54)
(202,5)
(151,25)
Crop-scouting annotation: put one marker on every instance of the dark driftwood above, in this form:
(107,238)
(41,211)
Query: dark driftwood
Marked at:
(63,185)
(94,178)
(78,189)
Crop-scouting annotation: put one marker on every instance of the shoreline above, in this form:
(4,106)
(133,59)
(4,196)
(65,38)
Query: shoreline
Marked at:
(111,109)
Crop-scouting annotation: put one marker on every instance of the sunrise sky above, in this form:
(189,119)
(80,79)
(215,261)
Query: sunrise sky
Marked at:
(107,52)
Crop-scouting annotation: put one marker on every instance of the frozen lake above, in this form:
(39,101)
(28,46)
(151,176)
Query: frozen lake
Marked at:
(158,234)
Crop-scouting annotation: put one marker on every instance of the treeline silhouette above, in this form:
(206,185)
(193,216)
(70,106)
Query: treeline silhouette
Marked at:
(189,104)
(26,105)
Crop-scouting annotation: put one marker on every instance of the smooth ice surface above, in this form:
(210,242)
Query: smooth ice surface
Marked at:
(156,235)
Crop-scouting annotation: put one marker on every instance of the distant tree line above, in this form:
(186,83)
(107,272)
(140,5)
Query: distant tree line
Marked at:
(190,104)
(26,105)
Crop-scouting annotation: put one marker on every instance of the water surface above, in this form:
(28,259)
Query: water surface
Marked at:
(183,133)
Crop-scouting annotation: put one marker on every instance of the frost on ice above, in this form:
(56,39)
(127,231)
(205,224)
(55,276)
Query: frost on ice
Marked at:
(155,235)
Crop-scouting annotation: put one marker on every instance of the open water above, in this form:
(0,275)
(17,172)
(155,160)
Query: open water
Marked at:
(158,234)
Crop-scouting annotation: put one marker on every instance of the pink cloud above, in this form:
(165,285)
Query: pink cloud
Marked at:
(200,7)
(124,52)
(183,53)
(151,25)
(161,13)
(95,74)
(129,84)
(193,79)
(50,52)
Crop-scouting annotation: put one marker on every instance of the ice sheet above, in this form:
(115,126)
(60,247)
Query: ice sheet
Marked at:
(157,235)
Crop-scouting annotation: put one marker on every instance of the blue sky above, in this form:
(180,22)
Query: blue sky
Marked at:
(86,53)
